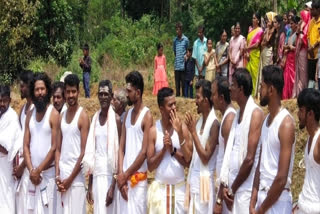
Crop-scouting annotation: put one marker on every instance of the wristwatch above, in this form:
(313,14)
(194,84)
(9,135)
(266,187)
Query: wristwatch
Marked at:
(174,151)
(219,202)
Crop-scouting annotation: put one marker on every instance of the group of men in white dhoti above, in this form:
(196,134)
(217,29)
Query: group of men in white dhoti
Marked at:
(242,163)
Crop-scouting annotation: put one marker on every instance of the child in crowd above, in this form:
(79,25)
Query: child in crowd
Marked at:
(211,62)
(189,66)
(160,67)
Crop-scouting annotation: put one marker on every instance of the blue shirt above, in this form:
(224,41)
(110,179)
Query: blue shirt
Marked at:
(180,47)
(199,49)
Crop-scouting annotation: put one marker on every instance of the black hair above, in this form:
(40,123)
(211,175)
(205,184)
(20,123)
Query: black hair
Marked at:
(56,85)
(4,90)
(85,47)
(223,88)
(162,94)
(295,19)
(26,76)
(243,78)
(221,32)
(107,83)
(310,98)
(294,11)
(315,4)
(72,80)
(237,23)
(179,25)
(47,81)
(209,39)
(273,75)
(258,16)
(282,28)
(159,45)
(201,27)
(190,49)
(206,89)
(136,80)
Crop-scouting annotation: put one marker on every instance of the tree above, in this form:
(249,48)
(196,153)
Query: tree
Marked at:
(18,18)
(55,32)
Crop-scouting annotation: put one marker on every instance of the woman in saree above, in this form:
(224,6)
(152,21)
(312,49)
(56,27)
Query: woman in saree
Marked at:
(267,44)
(236,50)
(280,37)
(301,78)
(253,49)
(222,54)
(290,52)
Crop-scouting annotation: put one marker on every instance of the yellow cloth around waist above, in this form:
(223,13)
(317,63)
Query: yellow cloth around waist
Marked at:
(137,177)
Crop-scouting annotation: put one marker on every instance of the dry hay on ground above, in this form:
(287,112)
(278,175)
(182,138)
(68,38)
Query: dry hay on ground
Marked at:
(184,105)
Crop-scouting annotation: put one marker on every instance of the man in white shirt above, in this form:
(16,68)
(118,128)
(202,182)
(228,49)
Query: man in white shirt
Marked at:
(10,143)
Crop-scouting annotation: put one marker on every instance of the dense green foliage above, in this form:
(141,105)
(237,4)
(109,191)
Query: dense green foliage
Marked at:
(40,33)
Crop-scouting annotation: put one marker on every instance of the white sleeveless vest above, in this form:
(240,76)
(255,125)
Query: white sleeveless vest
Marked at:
(70,146)
(309,198)
(221,145)
(169,171)
(134,138)
(270,155)
(40,132)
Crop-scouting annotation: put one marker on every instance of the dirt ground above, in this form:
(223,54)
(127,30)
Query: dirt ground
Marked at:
(184,105)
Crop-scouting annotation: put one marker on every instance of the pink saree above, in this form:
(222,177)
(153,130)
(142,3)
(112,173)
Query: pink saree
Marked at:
(289,70)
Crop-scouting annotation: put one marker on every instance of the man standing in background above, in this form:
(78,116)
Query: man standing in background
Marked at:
(180,46)
(199,49)
(85,64)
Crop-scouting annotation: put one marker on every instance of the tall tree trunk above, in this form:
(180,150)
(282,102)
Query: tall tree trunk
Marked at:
(275,6)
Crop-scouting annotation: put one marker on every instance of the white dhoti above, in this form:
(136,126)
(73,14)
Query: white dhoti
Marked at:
(282,206)
(196,206)
(166,199)
(306,206)
(21,193)
(137,199)
(241,202)
(40,199)
(7,191)
(100,187)
(73,200)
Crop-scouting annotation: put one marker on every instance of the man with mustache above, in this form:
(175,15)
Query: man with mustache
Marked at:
(71,146)
(120,102)
(271,188)
(58,99)
(132,177)
(20,171)
(101,156)
(10,143)
(41,132)
(168,154)
(200,189)
(242,151)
